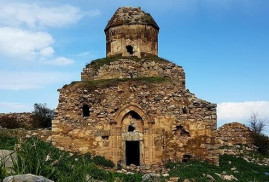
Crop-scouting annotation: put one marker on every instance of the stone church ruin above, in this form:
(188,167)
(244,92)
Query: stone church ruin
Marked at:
(132,107)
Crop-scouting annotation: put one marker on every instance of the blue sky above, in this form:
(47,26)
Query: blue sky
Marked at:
(223,45)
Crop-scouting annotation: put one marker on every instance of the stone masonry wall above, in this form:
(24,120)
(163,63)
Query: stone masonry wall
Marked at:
(130,68)
(22,118)
(174,123)
(142,38)
(21,133)
(234,134)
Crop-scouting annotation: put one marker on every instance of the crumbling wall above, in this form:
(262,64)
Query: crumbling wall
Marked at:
(235,134)
(165,110)
(21,119)
(134,68)
(21,133)
(131,32)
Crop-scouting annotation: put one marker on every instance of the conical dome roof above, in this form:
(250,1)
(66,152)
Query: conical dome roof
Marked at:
(130,16)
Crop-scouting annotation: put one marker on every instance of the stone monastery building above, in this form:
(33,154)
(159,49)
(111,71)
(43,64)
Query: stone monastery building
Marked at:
(132,107)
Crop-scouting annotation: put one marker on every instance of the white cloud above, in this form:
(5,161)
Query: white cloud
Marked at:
(24,44)
(82,54)
(28,45)
(241,112)
(14,107)
(19,38)
(31,80)
(35,15)
(48,51)
(61,61)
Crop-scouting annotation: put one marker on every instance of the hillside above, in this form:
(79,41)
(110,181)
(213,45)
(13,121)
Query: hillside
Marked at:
(41,158)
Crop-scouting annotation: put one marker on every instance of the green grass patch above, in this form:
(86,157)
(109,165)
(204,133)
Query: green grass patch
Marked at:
(99,160)
(41,158)
(113,82)
(7,142)
(195,170)
(96,64)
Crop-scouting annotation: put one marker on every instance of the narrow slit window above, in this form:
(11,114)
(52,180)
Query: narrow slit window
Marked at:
(86,111)
(184,110)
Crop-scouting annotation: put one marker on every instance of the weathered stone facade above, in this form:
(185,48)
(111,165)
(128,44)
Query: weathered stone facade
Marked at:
(131,32)
(235,134)
(135,111)
(133,67)
(24,118)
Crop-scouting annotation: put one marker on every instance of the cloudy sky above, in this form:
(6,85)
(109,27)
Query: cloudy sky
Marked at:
(223,45)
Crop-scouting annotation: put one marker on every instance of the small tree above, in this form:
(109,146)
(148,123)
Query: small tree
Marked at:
(256,124)
(260,140)
(42,116)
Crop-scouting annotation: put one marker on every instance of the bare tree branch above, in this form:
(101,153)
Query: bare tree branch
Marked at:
(256,124)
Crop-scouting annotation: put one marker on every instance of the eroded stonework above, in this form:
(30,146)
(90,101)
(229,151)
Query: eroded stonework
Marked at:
(235,134)
(135,110)
(23,119)
(131,32)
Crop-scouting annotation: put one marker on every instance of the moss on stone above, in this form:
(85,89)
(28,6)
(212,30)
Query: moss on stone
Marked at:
(113,82)
(96,64)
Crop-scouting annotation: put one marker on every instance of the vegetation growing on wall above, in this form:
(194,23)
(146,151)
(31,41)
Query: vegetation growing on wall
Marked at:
(115,81)
(96,64)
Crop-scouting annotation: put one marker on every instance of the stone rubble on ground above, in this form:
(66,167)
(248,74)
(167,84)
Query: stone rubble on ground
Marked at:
(227,177)
(26,178)
(209,177)
(7,157)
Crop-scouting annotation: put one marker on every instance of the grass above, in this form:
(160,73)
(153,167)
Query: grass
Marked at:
(113,82)
(7,142)
(41,158)
(96,64)
(195,170)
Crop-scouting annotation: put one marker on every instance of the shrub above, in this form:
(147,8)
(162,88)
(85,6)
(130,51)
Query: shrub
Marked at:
(261,141)
(42,116)
(99,160)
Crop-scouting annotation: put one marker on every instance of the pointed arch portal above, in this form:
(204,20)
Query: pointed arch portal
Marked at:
(132,136)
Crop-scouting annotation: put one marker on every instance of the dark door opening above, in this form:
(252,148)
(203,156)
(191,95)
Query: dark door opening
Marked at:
(132,153)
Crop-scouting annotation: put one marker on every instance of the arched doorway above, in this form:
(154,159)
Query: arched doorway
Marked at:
(133,142)
(132,136)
